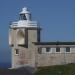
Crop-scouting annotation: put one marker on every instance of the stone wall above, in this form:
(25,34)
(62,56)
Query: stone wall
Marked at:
(47,59)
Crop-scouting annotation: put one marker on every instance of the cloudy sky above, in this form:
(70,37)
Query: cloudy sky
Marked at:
(56,17)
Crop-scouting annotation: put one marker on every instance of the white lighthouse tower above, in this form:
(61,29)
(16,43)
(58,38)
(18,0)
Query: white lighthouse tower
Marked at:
(24,20)
(22,34)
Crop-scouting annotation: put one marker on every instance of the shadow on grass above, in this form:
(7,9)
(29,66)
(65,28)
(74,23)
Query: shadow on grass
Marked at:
(19,71)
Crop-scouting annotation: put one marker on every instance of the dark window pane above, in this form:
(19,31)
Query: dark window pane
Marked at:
(22,17)
(57,49)
(67,49)
(48,49)
(17,51)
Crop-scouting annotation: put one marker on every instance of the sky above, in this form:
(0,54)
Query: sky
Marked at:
(55,17)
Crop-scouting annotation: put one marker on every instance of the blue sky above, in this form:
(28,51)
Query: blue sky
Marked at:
(56,17)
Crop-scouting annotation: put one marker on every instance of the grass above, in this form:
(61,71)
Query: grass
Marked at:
(68,69)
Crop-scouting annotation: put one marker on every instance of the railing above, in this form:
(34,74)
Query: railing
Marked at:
(24,24)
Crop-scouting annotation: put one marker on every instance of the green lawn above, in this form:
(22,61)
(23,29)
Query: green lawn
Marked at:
(68,69)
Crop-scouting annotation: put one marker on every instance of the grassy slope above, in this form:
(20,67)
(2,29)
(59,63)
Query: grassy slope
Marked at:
(57,70)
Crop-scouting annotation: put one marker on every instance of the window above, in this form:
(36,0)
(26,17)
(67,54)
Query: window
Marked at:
(42,50)
(57,49)
(48,49)
(67,49)
(22,17)
(17,51)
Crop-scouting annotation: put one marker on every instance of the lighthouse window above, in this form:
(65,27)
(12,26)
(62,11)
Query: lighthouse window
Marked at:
(17,51)
(22,17)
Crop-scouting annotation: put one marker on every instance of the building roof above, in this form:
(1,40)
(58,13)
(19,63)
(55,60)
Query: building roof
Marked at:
(24,11)
(54,43)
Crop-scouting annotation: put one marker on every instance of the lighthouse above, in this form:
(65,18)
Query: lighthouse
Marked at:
(22,34)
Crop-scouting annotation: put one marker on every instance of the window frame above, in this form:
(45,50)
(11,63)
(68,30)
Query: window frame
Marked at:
(58,51)
(68,51)
(43,50)
(16,51)
(23,17)
(49,51)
